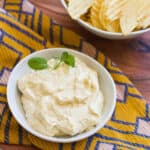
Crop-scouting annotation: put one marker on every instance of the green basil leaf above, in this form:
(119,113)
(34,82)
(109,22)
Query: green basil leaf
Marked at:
(64,56)
(38,63)
(68,59)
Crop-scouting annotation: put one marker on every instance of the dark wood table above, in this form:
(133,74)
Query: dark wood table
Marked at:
(132,56)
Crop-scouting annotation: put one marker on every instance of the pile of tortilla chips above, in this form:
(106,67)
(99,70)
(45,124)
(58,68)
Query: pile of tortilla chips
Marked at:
(123,16)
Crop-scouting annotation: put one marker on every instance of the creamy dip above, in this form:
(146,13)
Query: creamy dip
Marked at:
(63,101)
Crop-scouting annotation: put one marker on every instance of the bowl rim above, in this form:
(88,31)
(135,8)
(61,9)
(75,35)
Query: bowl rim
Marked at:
(62,139)
(103,31)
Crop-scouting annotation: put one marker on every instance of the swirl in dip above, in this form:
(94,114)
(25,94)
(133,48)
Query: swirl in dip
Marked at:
(62,102)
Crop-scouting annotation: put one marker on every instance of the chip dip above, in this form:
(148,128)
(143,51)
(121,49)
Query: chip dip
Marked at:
(64,101)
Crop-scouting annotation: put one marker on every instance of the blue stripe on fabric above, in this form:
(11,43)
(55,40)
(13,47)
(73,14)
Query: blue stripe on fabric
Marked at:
(126,132)
(1,36)
(11,10)
(146,48)
(51,31)
(44,43)
(16,11)
(21,30)
(115,147)
(116,72)
(73,146)
(116,81)
(40,23)
(88,143)
(136,125)
(135,95)
(97,146)
(3,69)
(126,92)
(126,142)
(60,146)
(32,21)
(6,130)
(122,122)
(147,111)
(2,95)
(121,83)
(26,19)
(4,110)
(19,42)
(20,135)
(20,10)
(111,128)
(11,48)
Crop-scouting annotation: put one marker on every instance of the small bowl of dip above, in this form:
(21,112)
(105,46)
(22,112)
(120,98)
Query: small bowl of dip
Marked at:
(61,95)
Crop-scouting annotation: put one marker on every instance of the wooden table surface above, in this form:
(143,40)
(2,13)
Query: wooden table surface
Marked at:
(132,56)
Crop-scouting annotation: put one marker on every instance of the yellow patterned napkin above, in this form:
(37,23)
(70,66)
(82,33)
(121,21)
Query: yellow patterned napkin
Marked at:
(23,30)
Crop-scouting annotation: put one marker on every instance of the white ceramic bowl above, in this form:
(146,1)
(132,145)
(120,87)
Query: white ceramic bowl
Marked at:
(106,34)
(106,83)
